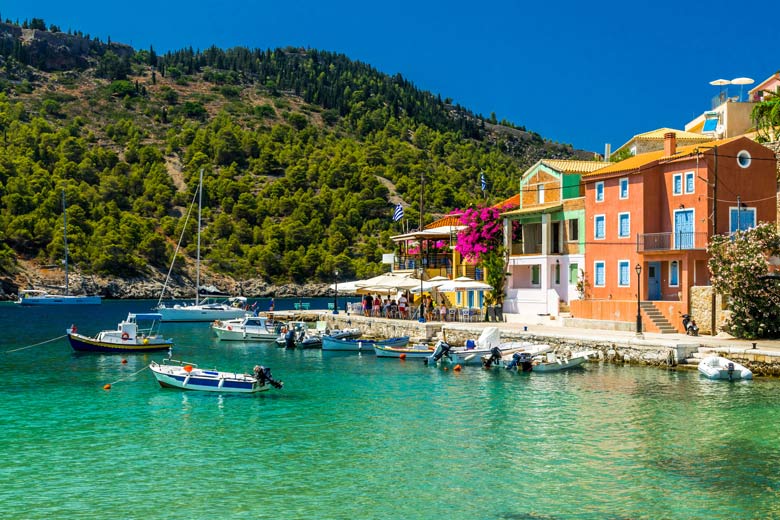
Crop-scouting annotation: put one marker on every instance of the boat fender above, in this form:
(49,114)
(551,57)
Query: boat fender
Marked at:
(146,341)
(125,336)
(229,327)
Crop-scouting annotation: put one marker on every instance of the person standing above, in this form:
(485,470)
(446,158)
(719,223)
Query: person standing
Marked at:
(402,306)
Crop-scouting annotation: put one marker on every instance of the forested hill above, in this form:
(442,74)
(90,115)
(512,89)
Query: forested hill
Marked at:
(304,152)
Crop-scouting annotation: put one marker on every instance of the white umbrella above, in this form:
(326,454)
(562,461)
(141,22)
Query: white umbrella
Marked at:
(389,281)
(433,283)
(345,287)
(464,283)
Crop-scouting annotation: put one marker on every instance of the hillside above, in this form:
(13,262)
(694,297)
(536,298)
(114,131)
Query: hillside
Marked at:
(304,152)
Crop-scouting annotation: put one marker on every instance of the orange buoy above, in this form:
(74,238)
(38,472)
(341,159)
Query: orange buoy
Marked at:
(188,368)
(402,356)
(106,387)
(445,368)
(124,361)
(457,368)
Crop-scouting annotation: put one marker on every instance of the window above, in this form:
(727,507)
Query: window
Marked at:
(674,274)
(741,220)
(574,229)
(624,278)
(598,227)
(743,159)
(599,192)
(624,188)
(689,186)
(574,272)
(710,125)
(535,275)
(677,183)
(540,194)
(624,225)
(598,269)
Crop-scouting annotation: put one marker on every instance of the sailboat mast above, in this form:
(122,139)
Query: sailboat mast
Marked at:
(197,265)
(65,239)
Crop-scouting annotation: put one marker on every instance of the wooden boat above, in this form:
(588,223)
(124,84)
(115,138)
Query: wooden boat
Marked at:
(187,376)
(361,344)
(249,328)
(41,297)
(312,338)
(717,367)
(138,333)
(418,351)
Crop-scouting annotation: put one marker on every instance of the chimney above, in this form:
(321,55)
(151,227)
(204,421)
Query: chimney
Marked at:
(670,144)
(607,151)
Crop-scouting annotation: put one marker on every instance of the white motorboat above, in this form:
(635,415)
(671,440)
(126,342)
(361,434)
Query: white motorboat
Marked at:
(138,333)
(553,362)
(187,376)
(207,309)
(717,367)
(472,353)
(541,359)
(41,297)
(250,328)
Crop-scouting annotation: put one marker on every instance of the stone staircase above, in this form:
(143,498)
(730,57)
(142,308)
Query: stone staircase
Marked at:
(651,311)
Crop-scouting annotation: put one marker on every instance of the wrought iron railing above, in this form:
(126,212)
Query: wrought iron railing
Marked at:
(670,241)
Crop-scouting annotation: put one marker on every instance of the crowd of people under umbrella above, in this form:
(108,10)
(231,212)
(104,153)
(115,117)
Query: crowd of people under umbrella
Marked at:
(404,307)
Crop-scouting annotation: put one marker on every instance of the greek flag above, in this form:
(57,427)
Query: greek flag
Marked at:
(483,180)
(398,214)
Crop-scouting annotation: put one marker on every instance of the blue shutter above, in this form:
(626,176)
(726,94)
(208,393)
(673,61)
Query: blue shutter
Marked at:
(674,273)
(677,184)
(623,188)
(599,191)
(688,183)
(623,273)
(600,274)
(625,225)
(600,227)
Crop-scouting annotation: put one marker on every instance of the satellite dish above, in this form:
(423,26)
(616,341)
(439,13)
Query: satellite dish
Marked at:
(741,82)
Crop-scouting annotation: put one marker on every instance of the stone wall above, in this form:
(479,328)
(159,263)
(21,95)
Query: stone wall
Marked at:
(701,309)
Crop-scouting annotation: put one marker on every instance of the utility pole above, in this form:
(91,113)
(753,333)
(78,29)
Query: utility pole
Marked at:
(422,191)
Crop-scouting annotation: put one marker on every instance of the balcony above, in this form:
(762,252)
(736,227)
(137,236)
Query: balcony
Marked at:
(671,241)
(430,261)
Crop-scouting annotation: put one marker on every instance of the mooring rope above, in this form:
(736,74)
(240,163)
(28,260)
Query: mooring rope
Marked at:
(131,375)
(31,346)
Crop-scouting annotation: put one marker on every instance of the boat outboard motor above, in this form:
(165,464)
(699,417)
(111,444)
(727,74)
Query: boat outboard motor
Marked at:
(691,329)
(495,357)
(263,376)
(522,361)
(289,338)
(730,367)
(301,335)
(442,350)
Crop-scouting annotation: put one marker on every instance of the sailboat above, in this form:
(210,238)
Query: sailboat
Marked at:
(201,310)
(41,297)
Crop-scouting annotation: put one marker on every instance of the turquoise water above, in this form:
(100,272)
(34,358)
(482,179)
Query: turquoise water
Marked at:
(352,436)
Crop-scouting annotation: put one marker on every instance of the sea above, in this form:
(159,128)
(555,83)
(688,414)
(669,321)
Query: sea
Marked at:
(356,437)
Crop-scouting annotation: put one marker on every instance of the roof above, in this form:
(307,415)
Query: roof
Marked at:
(438,232)
(658,134)
(542,208)
(637,161)
(447,220)
(762,85)
(573,166)
(511,202)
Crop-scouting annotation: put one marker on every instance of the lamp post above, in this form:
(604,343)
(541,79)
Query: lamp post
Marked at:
(336,293)
(638,269)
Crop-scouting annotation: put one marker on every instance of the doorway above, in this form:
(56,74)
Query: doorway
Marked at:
(654,280)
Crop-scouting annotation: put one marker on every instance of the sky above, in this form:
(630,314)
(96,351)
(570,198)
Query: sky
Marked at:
(577,72)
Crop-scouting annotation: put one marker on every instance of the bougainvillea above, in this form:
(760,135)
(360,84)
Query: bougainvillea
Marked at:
(482,242)
(738,264)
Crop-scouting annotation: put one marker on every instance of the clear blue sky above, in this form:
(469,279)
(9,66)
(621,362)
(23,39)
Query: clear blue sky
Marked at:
(576,72)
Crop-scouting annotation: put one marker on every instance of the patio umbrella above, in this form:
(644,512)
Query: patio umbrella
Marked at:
(464,283)
(345,287)
(389,281)
(433,283)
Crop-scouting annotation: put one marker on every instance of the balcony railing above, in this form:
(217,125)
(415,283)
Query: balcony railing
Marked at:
(431,261)
(671,241)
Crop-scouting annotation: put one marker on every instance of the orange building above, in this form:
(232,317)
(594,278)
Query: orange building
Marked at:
(649,219)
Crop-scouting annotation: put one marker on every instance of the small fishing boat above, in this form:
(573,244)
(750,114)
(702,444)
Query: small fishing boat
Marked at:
(443,353)
(138,333)
(187,376)
(361,344)
(717,367)
(249,328)
(553,362)
(538,358)
(417,351)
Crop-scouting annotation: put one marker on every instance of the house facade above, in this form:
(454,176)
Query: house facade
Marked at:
(649,219)
(545,238)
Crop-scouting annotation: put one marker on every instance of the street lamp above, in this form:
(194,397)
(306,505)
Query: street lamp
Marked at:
(638,269)
(336,293)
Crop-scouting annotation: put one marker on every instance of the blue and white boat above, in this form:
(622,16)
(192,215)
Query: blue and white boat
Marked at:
(360,344)
(187,376)
(138,333)
(250,328)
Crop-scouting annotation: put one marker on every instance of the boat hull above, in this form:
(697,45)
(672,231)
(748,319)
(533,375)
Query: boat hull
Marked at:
(196,313)
(361,345)
(563,365)
(206,380)
(60,300)
(81,343)
(421,352)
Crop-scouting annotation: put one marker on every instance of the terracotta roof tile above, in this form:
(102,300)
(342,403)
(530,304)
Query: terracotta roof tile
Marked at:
(572,166)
